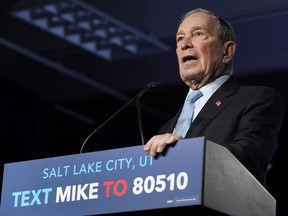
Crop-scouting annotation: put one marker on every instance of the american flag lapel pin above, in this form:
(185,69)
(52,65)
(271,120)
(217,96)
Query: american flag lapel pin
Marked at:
(218,103)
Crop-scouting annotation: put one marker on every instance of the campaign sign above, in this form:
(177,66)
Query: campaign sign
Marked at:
(109,181)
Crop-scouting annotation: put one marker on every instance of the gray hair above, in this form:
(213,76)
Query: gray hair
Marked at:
(225,30)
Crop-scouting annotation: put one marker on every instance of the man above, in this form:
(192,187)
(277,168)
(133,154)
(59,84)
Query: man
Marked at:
(244,119)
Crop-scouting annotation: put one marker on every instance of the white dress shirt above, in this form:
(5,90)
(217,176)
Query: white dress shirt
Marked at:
(207,91)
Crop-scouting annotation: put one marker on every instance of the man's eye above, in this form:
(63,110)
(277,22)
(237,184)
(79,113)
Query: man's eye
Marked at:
(179,39)
(198,34)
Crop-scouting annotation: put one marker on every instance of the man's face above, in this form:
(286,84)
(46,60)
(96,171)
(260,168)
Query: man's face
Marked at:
(199,50)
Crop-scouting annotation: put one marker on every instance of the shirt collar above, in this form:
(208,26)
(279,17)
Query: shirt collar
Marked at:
(210,88)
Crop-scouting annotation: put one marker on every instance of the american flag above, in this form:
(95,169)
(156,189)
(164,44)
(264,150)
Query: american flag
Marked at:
(218,103)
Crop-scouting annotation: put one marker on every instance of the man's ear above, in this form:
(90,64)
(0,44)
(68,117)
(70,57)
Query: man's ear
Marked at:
(229,51)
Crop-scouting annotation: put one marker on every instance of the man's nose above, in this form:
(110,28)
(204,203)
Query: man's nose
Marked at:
(186,43)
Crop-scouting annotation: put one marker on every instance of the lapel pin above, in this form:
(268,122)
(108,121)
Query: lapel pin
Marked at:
(218,103)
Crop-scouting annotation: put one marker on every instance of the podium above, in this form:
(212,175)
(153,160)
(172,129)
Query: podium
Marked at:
(193,177)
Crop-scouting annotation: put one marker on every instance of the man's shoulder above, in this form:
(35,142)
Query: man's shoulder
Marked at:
(262,92)
(258,89)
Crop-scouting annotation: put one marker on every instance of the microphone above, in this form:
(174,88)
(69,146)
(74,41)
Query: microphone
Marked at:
(149,87)
(152,86)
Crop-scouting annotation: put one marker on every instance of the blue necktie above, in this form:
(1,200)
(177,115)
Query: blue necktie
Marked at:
(186,116)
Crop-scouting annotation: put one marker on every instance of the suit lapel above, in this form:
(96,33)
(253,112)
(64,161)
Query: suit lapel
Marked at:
(173,121)
(218,101)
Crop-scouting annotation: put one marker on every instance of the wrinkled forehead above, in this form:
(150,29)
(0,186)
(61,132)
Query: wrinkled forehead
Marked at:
(199,19)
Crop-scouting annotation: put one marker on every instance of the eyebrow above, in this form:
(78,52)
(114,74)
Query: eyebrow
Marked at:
(192,29)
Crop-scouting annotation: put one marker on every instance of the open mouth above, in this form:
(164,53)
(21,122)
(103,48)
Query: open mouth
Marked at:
(188,58)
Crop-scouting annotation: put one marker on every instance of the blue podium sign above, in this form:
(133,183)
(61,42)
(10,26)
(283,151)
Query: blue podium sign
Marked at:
(110,181)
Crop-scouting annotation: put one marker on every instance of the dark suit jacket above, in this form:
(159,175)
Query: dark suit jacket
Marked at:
(245,119)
